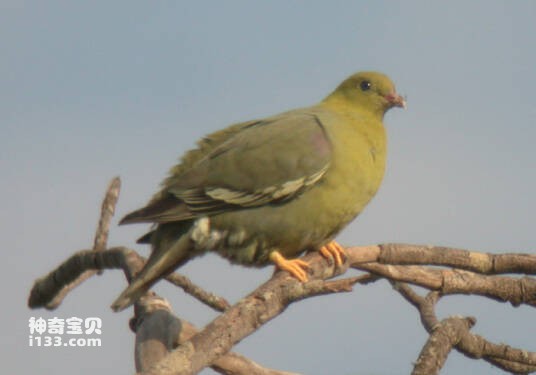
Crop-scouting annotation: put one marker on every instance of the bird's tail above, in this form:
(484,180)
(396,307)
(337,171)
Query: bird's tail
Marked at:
(160,263)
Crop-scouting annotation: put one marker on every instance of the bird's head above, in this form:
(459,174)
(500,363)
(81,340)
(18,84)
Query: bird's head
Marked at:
(370,91)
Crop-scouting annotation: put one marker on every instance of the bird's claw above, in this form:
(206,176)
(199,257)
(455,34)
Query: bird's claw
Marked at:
(333,251)
(296,267)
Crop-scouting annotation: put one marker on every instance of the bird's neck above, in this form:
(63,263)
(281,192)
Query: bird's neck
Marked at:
(343,105)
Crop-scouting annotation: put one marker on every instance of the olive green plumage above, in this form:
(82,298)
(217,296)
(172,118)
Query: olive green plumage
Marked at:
(289,183)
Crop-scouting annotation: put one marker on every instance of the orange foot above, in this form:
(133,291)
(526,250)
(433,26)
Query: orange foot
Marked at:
(296,267)
(333,251)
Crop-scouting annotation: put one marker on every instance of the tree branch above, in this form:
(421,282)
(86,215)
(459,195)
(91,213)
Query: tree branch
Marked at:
(443,337)
(483,263)
(166,344)
(99,244)
(471,345)
(158,331)
(57,282)
(242,319)
(406,254)
(500,288)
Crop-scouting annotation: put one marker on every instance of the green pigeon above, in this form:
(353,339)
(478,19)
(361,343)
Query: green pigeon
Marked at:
(264,191)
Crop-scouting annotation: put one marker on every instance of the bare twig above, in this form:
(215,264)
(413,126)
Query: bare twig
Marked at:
(500,288)
(471,345)
(210,299)
(443,337)
(158,331)
(48,287)
(101,237)
(266,302)
(408,254)
(107,212)
(484,263)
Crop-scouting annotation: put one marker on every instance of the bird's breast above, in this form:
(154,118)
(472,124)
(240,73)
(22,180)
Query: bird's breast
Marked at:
(358,163)
(318,214)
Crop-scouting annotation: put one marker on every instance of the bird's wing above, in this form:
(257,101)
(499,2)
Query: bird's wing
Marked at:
(265,162)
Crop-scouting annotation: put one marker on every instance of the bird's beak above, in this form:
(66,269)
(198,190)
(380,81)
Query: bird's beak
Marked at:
(396,100)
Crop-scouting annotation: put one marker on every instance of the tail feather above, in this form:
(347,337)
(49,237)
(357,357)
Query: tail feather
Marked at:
(146,238)
(163,210)
(160,263)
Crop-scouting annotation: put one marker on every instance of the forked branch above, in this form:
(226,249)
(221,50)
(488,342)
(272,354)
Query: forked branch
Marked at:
(166,344)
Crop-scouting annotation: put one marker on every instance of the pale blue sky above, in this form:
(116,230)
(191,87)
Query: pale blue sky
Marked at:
(96,89)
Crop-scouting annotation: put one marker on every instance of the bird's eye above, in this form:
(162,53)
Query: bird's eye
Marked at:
(365,85)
